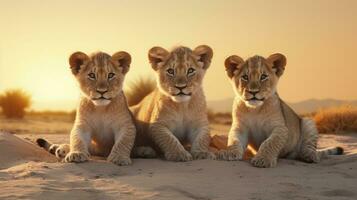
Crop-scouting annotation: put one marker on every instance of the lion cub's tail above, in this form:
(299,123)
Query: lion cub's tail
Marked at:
(59,150)
(138,90)
(45,144)
(330,151)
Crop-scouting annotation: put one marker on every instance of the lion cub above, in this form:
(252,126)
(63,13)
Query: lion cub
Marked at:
(103,125)
(174,114)
(263,120)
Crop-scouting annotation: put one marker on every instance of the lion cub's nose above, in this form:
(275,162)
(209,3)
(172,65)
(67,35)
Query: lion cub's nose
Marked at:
(181,87)
(253,92)
(102,91)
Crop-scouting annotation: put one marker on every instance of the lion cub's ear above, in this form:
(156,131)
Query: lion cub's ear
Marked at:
(278,62)
(123,60)
(205,54)
(156,56)
(232,64)
(76,60)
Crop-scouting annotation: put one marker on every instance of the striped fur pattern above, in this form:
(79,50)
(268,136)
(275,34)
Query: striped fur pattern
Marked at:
(104,125)
(173,116)
(263,120)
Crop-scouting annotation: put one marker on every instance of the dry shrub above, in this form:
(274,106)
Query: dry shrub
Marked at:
(137,90)
(339,119)
(14,103)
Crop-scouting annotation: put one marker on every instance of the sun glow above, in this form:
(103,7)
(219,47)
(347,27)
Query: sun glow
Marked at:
(35,49)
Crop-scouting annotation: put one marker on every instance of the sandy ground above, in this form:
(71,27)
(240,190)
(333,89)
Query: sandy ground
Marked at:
(27,172)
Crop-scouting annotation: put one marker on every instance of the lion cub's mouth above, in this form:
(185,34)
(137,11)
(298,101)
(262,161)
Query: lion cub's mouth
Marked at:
(254,102)
(101,101)
(101,98)
(183,94)
(255,99)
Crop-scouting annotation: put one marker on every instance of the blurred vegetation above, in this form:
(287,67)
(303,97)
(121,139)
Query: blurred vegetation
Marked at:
(14,103)
(138,89)
(336,120)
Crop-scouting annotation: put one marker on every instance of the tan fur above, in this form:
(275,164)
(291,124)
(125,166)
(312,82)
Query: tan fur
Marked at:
(166,121)
(104,125)
(262,119)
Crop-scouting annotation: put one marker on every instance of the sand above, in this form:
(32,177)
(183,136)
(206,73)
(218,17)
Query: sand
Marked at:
(27,172)
(14,150)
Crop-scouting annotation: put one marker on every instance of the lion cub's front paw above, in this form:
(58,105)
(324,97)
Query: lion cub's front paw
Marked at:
(263,162)
(181,156)
(76,156)
(119,160)
(197,155)
(230,154)
(311,158)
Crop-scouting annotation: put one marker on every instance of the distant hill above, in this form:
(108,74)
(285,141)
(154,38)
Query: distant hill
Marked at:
(306,106)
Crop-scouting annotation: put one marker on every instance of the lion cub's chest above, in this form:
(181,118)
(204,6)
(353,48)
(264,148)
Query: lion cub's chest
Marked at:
(182,125)
(102,129)
(180,128)
(256,128)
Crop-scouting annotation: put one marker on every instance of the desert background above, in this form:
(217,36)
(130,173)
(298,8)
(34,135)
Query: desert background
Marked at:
(38,94)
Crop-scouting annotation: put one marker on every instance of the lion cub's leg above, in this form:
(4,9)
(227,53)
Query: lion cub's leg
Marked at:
(79,142)
(269,150)
(236,146)
(200,140)
(308,151)
(124,142)
(169,144)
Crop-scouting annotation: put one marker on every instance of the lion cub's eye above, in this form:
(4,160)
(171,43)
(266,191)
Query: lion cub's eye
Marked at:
(245,77)
(170,72)
(263,77)
(111,76)
(91,76)
(190,71)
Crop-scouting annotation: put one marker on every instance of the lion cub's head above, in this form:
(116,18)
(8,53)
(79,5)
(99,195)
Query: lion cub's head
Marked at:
(255,79)
(100,75)
(180,72)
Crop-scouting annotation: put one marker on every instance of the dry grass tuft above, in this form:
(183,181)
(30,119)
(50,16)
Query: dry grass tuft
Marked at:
(334,120)
(14,103)
(137,90)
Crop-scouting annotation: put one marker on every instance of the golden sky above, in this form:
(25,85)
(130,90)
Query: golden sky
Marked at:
(319,39)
